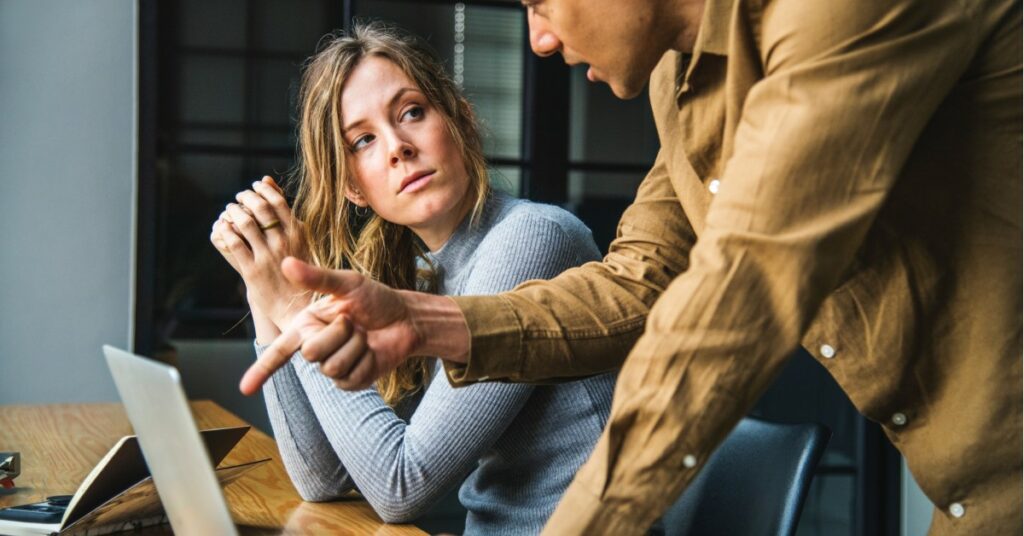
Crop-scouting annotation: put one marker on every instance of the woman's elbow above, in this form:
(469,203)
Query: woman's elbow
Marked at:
(401,509)
(399,515)
(397,518)
(316,492)
(310,495)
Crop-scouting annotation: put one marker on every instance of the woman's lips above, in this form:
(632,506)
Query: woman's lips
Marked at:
(418,183)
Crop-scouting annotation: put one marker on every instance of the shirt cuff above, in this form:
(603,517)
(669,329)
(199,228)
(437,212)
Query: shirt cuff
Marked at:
(580,512)
(495,341)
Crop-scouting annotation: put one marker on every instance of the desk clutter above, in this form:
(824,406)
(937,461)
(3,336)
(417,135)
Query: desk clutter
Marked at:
(10,467)
(118,494)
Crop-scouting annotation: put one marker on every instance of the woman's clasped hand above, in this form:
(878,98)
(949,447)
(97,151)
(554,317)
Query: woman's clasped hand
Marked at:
(254,234)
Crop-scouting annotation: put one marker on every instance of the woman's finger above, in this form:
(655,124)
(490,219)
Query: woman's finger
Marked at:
(273,194)
(249,229)
(217,239)
(224,216)
(267,179)
(261,210)
(221,226)
(236,246)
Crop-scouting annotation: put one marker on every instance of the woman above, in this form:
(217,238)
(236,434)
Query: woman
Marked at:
(393,183)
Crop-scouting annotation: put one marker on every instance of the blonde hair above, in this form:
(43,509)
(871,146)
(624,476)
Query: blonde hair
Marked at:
(340,237)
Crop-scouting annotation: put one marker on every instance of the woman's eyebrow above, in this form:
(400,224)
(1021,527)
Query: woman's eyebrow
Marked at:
(398,95)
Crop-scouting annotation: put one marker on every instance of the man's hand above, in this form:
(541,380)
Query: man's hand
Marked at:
(362,330)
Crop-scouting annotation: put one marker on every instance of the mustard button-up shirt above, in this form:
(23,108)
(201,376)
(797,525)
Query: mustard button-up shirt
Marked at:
(845,175)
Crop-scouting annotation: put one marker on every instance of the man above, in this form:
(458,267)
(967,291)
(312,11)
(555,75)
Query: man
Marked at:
(842,174)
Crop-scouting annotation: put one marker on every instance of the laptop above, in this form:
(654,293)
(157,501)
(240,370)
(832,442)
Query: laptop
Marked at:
(178,460)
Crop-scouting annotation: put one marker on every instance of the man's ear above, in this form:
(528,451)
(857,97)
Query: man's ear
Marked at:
(356,197)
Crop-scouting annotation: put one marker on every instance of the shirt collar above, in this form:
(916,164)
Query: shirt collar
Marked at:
(712,38)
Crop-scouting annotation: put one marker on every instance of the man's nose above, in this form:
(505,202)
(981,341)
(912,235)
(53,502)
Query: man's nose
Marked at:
(543,41)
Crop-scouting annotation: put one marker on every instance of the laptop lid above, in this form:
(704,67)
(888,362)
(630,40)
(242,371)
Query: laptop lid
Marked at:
(159,412)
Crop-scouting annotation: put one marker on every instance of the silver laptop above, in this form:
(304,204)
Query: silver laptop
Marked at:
(182,472)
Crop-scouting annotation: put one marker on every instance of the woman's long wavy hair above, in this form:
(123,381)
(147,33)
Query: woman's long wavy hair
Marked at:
(339,236)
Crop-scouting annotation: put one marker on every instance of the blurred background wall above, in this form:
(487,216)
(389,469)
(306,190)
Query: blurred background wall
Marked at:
(67,176)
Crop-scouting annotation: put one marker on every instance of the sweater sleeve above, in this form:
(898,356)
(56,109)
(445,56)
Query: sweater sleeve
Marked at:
(314,468)
(403,466)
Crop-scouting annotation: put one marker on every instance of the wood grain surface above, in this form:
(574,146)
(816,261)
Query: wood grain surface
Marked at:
(61,443)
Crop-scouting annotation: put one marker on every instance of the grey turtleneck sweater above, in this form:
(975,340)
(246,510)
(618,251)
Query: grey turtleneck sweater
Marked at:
(519,444)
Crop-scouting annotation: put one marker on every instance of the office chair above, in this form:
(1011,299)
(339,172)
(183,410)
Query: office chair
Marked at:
(753,485)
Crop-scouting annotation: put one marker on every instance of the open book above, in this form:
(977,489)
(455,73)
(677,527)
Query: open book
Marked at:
(119,493)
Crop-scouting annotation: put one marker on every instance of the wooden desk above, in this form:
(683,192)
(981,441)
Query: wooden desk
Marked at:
(61,443)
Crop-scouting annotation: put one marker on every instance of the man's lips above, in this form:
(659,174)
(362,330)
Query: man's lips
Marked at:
(591,72)
(412,181)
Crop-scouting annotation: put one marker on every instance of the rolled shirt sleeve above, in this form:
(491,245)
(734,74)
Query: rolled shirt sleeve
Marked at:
(847,89)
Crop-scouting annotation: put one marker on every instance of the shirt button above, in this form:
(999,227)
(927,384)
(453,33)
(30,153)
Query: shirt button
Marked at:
(956,510)
(827,351)
(689,461)
(899,419)
(713,186)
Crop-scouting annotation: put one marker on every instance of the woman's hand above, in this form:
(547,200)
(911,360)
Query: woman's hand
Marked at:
(254,235)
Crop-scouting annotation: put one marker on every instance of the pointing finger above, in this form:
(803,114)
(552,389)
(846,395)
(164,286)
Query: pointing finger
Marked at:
(309,322)
(274,357)
(334,282)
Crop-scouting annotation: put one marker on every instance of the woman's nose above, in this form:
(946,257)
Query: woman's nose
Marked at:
(403,151)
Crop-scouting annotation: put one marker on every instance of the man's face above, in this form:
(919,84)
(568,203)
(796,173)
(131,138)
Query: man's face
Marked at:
(621,40)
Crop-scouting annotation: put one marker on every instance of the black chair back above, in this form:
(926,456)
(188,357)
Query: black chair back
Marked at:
(753,485)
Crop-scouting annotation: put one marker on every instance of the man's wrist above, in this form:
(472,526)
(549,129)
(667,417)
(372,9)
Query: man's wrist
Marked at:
(439,325)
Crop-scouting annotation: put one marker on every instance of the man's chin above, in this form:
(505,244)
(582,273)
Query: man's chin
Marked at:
(630,77)
(627,87)
(626,92)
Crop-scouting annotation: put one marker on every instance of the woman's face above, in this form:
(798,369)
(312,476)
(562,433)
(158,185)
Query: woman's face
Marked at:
(405,164)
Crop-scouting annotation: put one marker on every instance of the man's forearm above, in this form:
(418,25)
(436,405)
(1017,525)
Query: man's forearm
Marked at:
(585,320)
(439,325)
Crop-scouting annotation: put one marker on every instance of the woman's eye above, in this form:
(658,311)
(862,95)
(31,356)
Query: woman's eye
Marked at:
(415,112)
(362,141)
